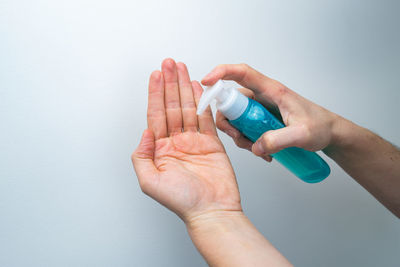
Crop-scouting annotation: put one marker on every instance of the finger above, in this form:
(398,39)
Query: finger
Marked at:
(249,78)
(223,124)
(156,119)
(206,120)
(239,139)
(172,101)
(242,142)
(247,92)
(188,105)
(275,140)
(143,161)
(267,158)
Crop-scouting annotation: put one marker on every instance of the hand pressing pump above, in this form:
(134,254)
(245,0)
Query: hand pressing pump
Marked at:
(252,119)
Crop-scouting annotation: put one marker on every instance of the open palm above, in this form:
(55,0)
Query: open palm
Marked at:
(180,161)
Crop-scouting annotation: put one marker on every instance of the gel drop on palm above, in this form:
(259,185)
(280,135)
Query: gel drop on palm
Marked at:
(253,119)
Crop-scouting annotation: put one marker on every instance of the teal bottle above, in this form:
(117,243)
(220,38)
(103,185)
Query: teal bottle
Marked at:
(252,119)
(306,165)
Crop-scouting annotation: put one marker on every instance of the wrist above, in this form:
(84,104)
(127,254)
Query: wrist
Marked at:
(216,225)
(228,238)
(343,135)
(213,220)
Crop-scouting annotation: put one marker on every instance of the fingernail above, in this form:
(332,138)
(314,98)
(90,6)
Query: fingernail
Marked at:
(258,149)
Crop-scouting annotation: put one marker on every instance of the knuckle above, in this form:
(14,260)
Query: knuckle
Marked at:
(137,155)
(220,67)
(306,135)
(244,66)
(155,113)
(133,156)
(244,71)
(188,105)
(172,103)
(269,142)
(281,91)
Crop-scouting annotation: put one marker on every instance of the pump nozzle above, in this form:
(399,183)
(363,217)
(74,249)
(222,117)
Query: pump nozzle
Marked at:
(229,101)
(216,91)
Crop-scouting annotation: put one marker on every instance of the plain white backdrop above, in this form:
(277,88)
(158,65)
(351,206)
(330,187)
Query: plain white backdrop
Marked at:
(73,93)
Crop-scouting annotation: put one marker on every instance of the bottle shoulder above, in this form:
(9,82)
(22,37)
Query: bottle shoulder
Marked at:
(255,111)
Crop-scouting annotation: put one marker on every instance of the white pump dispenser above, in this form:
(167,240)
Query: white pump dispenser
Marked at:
(229,100)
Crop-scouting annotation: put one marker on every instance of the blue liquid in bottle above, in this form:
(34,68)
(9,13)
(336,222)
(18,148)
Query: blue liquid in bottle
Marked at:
(306,165)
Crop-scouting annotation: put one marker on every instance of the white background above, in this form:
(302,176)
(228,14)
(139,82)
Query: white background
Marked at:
(73,92)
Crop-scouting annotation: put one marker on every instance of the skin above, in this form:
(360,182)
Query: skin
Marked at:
(182,164)
(372,161)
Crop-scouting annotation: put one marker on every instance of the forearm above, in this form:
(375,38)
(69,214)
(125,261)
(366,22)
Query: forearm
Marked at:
(230,239)
(372,161)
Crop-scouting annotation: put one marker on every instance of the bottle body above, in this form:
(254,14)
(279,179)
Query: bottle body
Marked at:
(306,165)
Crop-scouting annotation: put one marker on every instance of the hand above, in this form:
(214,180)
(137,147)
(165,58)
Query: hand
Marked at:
(309,126)
(180,161)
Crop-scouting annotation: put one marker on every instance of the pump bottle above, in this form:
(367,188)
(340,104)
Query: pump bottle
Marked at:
(252,119)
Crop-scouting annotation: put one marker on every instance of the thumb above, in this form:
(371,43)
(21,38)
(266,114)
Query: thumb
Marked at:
(275,140)
(143,160)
